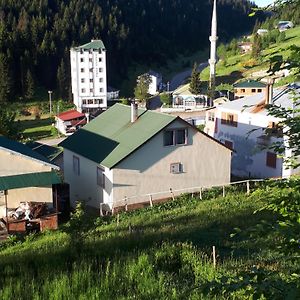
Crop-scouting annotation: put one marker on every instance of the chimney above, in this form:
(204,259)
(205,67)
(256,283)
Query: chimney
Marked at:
(269,91)
(134,112)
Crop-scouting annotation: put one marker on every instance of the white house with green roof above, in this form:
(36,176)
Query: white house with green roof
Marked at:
(128,152)
(25,176)
(88,76)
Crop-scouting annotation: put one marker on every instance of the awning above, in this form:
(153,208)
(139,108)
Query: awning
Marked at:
(28,180)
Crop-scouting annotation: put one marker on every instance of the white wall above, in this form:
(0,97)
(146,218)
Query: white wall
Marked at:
(248,159)
(84,186)
(205,163)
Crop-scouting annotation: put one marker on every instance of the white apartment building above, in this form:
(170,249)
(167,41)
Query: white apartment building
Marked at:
(88,74)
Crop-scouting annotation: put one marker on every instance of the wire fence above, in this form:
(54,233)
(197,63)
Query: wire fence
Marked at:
(150,198)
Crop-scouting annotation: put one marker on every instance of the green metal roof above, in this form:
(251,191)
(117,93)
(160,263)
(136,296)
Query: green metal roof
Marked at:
(111,137)
(250,84)
(28,180)
(22,149)
(50,152)
(94,44)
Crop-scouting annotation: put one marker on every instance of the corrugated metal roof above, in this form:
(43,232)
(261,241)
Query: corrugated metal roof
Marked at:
(250,84)
(22,149)
(70,114)
(111,137)
(47,151)
(28,180)
(93,44)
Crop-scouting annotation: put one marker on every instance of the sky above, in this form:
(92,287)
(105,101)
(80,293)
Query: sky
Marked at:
(262,3)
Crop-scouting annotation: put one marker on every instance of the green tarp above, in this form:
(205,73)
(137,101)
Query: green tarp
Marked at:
(28,180)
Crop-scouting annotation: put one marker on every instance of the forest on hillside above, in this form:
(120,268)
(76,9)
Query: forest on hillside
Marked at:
(36,36)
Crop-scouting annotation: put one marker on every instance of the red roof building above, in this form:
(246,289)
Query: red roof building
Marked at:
(69,121)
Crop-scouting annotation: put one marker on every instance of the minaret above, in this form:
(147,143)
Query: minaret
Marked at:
(213,51)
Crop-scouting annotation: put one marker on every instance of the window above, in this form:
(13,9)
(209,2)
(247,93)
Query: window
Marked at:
(101,79)
(91,80)
(82,70)
(228,144)
(229,119)
(101,90)
(90,101)
(82,90)
(82,80)
(100,177)
(211,116)
(100,69)
(175,137)
(84,101)
(259,90)
(100,59)
(176,168)
(271,160)
(81,59)
(90,59)
(91,69)
(91,90)
(253,90)
(243,90)
(76,166)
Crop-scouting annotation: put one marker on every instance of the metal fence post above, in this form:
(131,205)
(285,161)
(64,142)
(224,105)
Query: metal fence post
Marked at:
(200,194)
(223,191)
(150,201)
(126,205)
(248,187)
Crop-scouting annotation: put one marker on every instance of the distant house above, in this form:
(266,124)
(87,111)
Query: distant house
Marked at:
(69,121)
(156,82)
(245,47)
(112,93)
(284,25)
(262,31)
(183,98)
(128,152)
(241,125)
(248,88)
(25,176)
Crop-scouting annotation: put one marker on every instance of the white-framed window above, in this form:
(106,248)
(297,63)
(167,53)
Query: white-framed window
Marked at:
(91,80)
(174,137)
(82,90)
(76,165)
(100,59)
(82,80)
(101,90)
(176,168)
(82,70)
(100,69)
(98,101)
(91,69)
(211,116)
(90,59)
(81,59)
(84,101)
(100,177)
(91,90)
(100,79)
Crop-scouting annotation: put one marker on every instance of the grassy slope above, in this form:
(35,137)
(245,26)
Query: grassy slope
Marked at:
(234,68)
(158,253)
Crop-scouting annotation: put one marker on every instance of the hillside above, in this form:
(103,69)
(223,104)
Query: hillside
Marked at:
(162,252)
(36,36)
(243,66)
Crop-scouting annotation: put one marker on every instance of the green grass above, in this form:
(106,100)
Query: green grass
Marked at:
(235,65)
(162,252)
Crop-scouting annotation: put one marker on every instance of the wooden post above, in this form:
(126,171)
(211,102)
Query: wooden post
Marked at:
(6,211)
(248,187)
(126,205)
(192,195)
(118,219)
(172,194)
(101,211)
(223,191)
(150,201)
(200,194)
(214,256)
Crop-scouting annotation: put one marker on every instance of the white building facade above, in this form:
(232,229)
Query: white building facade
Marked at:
(245,126)
(88,75)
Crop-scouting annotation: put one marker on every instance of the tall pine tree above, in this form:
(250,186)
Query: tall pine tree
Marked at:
(195,84)
(4,79)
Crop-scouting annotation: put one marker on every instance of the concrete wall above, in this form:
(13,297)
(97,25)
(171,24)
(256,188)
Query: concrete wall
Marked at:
(243,92)
(12,164)
(249,159)
(205,162)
